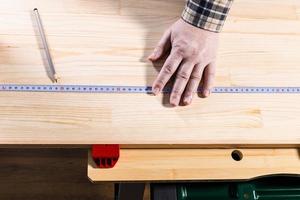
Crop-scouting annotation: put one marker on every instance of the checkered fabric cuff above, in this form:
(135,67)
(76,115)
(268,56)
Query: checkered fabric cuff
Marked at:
(207,14)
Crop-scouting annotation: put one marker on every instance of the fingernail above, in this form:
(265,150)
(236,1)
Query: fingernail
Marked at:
(151,56)
(154,54)
(187,100)
(155,90)
(174,101)
(206,93)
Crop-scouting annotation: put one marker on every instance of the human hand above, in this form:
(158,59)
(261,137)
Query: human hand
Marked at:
(192,57)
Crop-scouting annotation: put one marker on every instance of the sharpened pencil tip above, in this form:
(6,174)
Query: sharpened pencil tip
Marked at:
(56,78)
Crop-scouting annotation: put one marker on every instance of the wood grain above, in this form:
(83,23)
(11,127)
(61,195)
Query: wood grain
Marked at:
(197,164)
(107,42)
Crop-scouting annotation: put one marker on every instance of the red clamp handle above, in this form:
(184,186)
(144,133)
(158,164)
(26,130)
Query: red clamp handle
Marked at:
(105,155)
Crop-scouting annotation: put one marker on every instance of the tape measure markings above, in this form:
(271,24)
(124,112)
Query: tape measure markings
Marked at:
(134,89)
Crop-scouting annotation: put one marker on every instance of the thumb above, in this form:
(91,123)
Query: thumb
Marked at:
(161,47)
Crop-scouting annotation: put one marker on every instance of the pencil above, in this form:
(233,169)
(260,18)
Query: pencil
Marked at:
(45,44)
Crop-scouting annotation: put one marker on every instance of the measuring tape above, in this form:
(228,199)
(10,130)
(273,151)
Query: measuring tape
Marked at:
(135,89)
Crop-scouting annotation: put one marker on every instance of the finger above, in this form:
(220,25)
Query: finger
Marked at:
(209,76)
(193,84)
(162,46)
(168,69)
(181,80)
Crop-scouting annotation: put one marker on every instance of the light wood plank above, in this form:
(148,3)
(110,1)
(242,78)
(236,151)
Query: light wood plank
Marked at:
(196,164)
(88,119)
(266,9)
(107,42)
(65,6)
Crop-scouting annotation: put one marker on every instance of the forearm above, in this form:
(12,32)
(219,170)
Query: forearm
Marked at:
(207,14)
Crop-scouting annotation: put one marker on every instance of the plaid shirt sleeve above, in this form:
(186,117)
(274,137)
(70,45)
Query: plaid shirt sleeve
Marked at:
(207,14)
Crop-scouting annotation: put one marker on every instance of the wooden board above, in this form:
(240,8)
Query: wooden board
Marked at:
(107,42)
(197,164)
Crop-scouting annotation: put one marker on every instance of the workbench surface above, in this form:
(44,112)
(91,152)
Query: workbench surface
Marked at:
(107,42)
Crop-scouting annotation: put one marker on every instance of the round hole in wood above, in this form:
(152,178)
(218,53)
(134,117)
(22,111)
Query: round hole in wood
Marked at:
(237,155)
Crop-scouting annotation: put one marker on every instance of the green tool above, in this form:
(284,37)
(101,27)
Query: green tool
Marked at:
(271,188)
(281,187)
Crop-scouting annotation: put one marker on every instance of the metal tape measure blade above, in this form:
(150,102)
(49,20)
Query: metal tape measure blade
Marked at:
(134,89)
